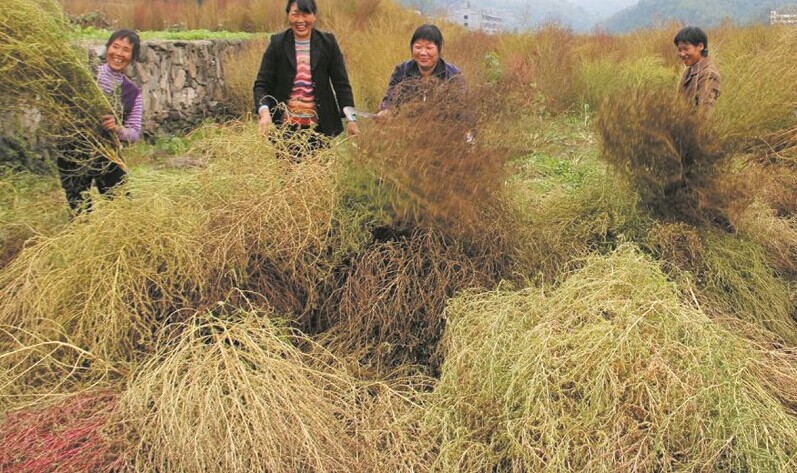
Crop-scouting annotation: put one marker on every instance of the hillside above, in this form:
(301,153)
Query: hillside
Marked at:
(697,12)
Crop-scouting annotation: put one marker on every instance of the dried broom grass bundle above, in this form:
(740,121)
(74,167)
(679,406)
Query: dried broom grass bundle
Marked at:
(387,308)
(667,151)
(609,371)
(39,67)
(184,240)
(232,393)
(429,165)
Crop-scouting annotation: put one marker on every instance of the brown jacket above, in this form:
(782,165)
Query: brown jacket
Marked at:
(700,84)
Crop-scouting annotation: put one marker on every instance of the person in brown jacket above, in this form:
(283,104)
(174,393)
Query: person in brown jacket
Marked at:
(700,83)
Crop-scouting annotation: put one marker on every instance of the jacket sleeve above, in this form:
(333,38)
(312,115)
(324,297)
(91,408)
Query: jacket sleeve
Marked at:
(339,78)
(266,78)
(395,79)
(710,90)
(131,129)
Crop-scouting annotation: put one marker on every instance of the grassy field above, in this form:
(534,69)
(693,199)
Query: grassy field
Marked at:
(412,301)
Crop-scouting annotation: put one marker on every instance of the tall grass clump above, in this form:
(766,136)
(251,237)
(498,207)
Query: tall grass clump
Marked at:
(758,93)
(609,371)
(738,279)
(667,152)
(233,393)
(40,68)
(387,306)
(182,240)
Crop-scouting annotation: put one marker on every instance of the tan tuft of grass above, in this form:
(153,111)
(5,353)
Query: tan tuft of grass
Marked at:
(387,308)
(39,68)
(758,93)
(609,371)
(668,152)
(234,394)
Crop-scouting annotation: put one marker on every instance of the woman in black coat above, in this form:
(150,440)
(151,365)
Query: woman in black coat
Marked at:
(302,79)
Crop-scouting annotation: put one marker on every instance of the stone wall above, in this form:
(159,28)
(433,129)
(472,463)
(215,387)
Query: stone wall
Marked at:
(182,84)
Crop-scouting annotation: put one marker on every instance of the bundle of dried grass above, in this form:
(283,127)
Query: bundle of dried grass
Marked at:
(387,308)
(183,240)
(40,68)
(668,152)
(610,371)
(736,278)
(232,393)
(432,169)
(62,436)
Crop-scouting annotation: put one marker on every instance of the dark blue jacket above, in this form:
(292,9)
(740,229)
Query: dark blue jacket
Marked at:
(274,81)
(405,83)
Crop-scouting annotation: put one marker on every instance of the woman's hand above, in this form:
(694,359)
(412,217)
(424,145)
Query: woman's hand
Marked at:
(352,129)
(265,124)
(109,123)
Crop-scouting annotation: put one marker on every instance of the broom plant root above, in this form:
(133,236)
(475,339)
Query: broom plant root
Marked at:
(610,371)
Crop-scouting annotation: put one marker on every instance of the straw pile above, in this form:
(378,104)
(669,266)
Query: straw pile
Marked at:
(40,68)
(610,371)
(233,393)
(669,154)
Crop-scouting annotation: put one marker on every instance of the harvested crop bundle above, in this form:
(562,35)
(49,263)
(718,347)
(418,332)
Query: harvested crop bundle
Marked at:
(40,68)
(234,394)
(668,152)
(609,371)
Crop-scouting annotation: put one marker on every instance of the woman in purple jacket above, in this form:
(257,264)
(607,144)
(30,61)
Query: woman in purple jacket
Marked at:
(418,77)
(80,168)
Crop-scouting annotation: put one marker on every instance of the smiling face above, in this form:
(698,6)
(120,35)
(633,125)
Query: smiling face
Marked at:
(426,55)
(301,23)
(689,53)
(119,54)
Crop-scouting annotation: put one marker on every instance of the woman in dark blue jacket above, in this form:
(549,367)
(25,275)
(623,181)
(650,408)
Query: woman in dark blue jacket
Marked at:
(416,78)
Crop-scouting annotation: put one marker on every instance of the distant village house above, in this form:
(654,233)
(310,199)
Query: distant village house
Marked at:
(786,16)
(480,19)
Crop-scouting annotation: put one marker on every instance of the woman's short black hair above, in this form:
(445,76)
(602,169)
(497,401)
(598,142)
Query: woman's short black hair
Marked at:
(129,35)
(429,33)
(694,36)
(304,6)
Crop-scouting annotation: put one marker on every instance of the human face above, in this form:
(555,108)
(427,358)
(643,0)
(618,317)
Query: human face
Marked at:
(119,54)
(301,23)
(689,53)
(426,55)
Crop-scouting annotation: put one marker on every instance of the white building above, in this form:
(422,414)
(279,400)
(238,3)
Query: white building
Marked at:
(785,16)
(489,21)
